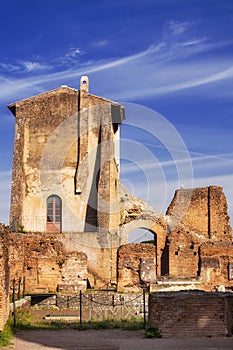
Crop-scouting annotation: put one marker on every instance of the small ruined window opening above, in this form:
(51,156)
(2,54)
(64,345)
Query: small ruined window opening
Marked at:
(176,253)
(195,253)
(54,214)
(14,225)
(84,82)
(230,271)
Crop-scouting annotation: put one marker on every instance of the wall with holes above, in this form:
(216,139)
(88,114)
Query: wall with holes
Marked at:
(43,265)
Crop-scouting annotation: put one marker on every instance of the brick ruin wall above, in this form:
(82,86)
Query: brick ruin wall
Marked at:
(45,265)
(195,217)
(191,314)
(198,247)
(59,262)
(216,261)
(4,281)
(136,266)
(202,212)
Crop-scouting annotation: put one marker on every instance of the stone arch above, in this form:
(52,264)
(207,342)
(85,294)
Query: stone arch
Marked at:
(157,226)
(135,214)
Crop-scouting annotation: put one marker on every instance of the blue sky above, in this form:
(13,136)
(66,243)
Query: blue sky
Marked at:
(169,61)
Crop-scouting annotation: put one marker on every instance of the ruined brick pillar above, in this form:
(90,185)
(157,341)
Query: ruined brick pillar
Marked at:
(4,280)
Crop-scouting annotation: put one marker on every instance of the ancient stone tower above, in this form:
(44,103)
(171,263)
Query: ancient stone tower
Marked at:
(65,169)
(65,161)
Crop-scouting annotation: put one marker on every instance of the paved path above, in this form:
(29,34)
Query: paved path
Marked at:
(110,340)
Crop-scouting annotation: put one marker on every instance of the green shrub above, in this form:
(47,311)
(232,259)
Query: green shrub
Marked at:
(152,332)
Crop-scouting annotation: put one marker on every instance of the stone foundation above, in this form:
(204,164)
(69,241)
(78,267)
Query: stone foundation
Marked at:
(95,305)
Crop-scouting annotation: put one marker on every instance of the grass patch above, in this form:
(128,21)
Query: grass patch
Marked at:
(124,324)
(94,324)
(6,336)
(26,321)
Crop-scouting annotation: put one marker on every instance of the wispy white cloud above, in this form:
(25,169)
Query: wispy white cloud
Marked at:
(179,86)
(30,66)
(193,42)
(152,76)
(177,27)
(158,190)
(101,43)
(7,67)
(24,67)
(162,68)
(71,58)
(201,163)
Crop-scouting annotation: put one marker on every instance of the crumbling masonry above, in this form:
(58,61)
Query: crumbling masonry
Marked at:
(70,217)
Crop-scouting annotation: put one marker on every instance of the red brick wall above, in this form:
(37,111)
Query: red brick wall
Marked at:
(216,263)
(45,263)
(196,216)
(191,314)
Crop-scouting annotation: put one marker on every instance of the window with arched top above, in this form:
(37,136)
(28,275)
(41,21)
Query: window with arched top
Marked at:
(54,214)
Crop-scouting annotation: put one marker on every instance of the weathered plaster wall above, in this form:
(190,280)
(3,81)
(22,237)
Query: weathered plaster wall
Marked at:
(101,261)
(48,159)
(35,123)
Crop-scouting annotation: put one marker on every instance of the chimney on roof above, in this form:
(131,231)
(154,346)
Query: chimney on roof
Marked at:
(84,84)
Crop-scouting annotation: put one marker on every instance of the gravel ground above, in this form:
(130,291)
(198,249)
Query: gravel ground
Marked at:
(110,340)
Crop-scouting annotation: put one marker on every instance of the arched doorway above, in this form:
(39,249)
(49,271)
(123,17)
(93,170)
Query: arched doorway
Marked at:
(141,235)
(156,227)
(54,214)
(137,261)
